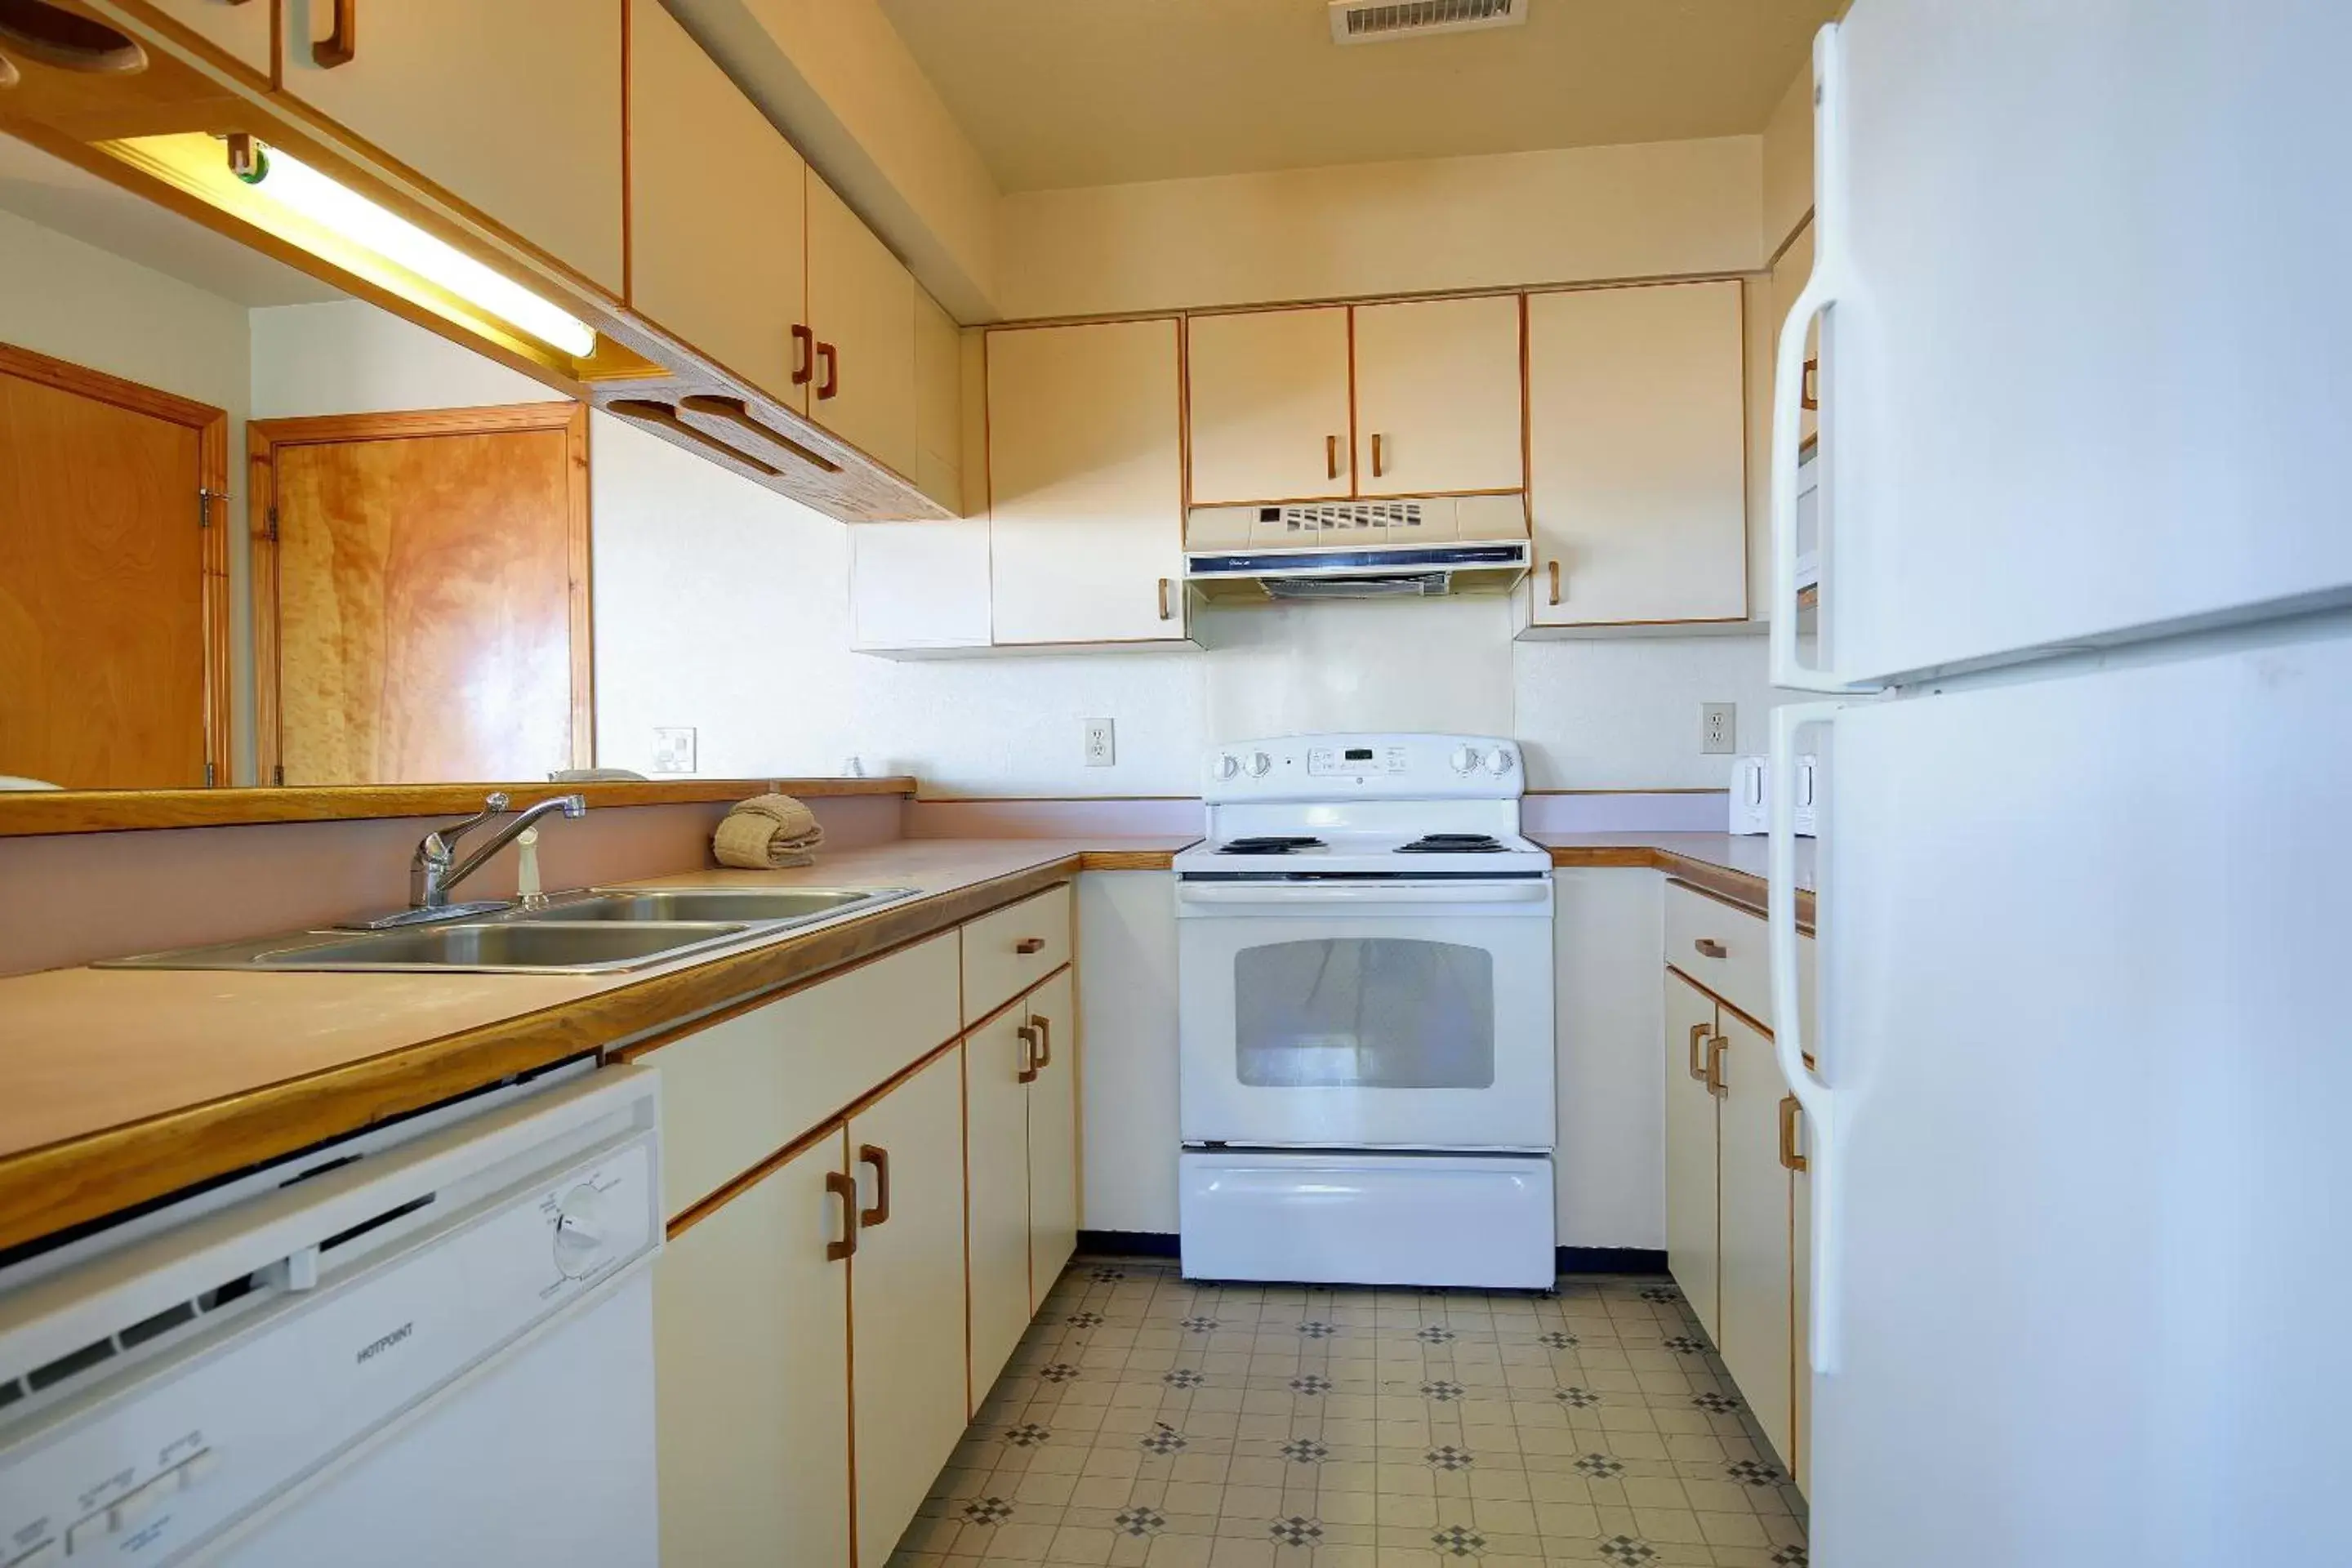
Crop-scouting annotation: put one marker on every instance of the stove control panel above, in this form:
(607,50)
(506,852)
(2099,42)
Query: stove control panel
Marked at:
(1359,766)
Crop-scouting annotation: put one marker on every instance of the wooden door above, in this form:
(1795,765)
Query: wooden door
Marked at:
(239,30)
(113,581)
(1692,1238)
(1637,484)
(1754,1183)
(716,231)
(999,1066)
(429,618)
(861,305)
(1437,388)
(1085,478)
(1053,1135)
(939,405)
(751,1374)
(514,108)
(906,1288)
(1268,392)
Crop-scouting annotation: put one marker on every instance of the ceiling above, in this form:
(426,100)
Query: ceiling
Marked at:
(60,196)
(1056,93)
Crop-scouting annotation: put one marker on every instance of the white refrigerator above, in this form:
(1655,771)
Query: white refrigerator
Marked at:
(2080,1121)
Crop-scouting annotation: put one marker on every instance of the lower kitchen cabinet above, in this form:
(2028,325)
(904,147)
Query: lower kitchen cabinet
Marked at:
(1053,1136)
(752,1359)
(1693,1240)
(1754,1224)
(1021,1167)
(907,1295)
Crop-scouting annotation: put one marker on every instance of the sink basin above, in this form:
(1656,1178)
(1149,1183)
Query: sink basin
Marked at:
(759,904)
(537,946)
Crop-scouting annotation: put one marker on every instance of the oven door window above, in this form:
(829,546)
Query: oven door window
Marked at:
(1364,1013)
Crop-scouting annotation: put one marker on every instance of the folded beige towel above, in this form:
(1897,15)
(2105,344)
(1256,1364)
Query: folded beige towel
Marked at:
(767,831)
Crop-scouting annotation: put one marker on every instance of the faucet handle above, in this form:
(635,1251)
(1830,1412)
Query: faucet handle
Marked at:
(440,843)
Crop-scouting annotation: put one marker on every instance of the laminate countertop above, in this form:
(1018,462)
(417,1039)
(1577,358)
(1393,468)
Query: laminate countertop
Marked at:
(1730,866)
(120,1086)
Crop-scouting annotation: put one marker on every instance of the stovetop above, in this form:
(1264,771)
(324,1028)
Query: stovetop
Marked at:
(1344,853)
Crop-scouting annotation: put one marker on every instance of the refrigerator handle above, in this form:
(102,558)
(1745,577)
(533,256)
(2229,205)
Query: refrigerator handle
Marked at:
(1822,1109)
(1821,291)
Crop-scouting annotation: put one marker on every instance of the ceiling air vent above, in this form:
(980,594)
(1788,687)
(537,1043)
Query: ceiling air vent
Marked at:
(1367,22)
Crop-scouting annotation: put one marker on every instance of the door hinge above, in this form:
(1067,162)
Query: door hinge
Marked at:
(277,775)
(271,532)
(208,776)
(205,499)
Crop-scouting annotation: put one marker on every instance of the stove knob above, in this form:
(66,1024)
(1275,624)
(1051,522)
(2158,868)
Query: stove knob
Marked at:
(1500,760)
(1465,760)
(1260,764)
(580,1238)
(1228,765)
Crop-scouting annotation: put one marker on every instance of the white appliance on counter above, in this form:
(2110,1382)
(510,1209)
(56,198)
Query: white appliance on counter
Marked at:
(1752,795)
(1364,961)
(429,1343)
(2078,1159)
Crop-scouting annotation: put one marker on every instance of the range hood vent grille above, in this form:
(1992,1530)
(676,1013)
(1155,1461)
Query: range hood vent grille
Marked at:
(1357,22)
(1396,585)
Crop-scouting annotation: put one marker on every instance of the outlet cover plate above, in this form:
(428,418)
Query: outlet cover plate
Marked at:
(1101,744)
(1719,729)
(673,749)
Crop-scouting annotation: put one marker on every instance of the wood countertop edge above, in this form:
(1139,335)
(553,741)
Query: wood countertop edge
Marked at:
(38,811)
(1733,887)
(49,1189)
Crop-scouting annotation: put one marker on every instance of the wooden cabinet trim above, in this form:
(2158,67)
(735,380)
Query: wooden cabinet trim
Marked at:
(1757,1024)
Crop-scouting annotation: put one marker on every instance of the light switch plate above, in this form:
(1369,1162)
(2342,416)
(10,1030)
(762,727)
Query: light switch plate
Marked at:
(1719,729)
(674,749)
(1101,744)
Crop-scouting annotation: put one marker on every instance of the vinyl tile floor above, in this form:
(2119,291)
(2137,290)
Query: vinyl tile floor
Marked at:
(1146,1419)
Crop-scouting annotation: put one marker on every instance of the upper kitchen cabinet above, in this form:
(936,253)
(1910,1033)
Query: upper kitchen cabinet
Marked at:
(514,108)
(938,404)
(1269,398)
(861,307)
(1638,471)
(1437,396)
(1086,464)
(240,30)
(716,231)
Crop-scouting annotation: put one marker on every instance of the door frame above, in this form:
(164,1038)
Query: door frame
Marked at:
(211,425)
(263,437)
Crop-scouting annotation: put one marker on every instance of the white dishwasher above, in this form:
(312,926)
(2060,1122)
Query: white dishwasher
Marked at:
(431,1343)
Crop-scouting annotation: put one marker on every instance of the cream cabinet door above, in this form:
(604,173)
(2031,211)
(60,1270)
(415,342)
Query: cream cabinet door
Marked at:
(861,305)
(1692,1239)
(1053,1135)
(751,1370)
(237,29)
(907,1287)
(1788,277)
(1085,483)
(715,212)
(514,108)
(1000,1058)
(1437,396)
(917,586)
(938,404)
(1268,394)
(1637,481)
(1754,1184)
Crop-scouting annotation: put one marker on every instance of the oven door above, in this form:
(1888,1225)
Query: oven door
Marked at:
(1367,1015)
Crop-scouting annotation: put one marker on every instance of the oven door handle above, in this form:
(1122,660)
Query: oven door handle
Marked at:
(1360,895)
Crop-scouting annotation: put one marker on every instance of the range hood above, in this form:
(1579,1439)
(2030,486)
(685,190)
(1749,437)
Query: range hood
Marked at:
(1410,547)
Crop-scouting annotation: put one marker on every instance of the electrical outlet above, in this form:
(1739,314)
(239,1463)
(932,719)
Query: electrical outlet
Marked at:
(1102,748)
(1719,729)
(673,749)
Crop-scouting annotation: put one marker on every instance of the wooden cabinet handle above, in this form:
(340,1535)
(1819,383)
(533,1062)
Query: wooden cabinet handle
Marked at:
(1378,466)
(1029,944)
(1045,1027)
(1809,393)
(1697,1032)
(845,1187)
(1717,1050)
(341,46)
(1553,567)
(804,354)
(874,1154)
(1330,457)
(1710,948)
(1029,1062)
(1789,1155)
(831,385)
(1165,584)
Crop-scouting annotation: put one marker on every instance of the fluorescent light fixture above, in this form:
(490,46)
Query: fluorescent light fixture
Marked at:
(300,189)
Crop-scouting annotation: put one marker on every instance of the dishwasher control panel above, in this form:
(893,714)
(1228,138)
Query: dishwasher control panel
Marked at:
(237,1410)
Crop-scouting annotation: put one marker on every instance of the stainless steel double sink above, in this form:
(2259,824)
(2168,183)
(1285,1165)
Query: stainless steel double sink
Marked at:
(594,931)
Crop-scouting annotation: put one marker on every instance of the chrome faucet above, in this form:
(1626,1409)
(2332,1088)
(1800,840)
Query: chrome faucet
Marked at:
(434,869)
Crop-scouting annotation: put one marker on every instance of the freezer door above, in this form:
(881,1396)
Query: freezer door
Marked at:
(2086,1032)
(2087,367)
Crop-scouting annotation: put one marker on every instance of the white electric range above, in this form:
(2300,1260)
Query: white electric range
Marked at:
(1365,981)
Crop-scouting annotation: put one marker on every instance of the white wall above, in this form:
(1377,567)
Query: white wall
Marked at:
(73,301)
(350,357)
